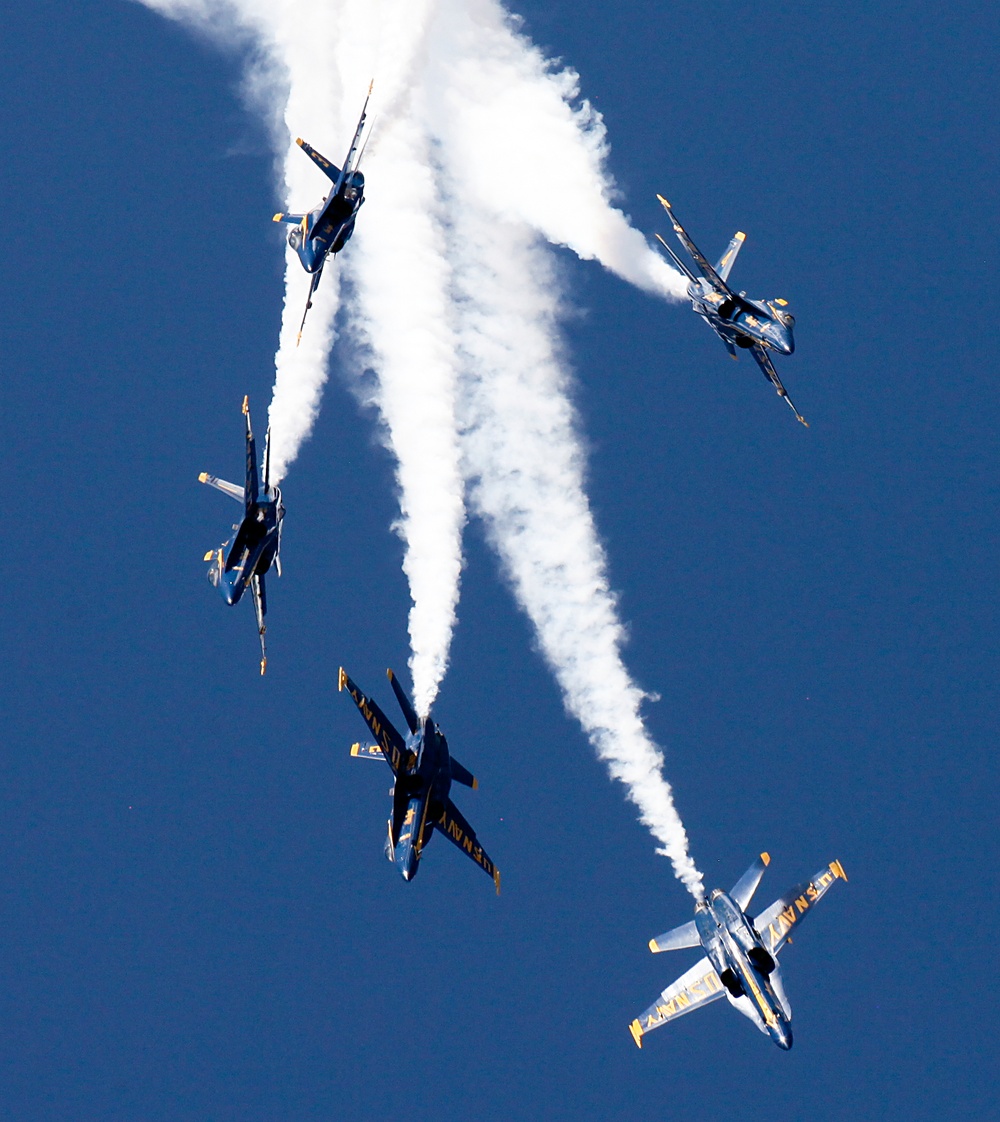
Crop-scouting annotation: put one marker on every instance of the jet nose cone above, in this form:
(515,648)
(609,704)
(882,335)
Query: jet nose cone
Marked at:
(783,1037)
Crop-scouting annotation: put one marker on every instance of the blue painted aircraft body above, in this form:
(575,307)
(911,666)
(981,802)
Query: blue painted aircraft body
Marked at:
(741,954)
(758,326)
(423,770)
(327,228)
(256,543)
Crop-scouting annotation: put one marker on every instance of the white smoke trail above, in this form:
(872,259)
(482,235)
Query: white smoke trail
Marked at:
(469,108)
(526,480)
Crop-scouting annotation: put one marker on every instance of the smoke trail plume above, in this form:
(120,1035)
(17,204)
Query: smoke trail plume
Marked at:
(456,314)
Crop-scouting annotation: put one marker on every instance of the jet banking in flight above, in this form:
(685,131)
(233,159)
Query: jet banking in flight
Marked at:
(247,556)
(740,954)
(758,326)
(326,228)
(424,770)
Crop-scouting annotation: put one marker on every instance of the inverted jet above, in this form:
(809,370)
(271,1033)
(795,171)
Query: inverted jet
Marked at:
(256,542)
(423,770)
(326,229)
(758,326)
(741,954)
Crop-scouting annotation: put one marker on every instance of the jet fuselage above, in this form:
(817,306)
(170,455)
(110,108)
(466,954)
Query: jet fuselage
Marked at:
(327,228)
(743,964)
(253,549)
(744,322)
(419,797)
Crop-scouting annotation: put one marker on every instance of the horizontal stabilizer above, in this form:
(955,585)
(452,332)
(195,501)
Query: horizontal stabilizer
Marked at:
(774,924)
(699,986)
(229,489)
(391,744)
(366,752)
(461,834)
(460,775)
(728,259)
(291,219)
(330,170)
(684,936)
(746,886)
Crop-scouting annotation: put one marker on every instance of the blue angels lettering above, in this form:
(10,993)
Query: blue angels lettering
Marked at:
(741,954)
(757,326)
(256,544)
(326,229)
(423,770)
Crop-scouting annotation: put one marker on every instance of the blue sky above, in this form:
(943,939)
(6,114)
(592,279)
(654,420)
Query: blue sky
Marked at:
(199,922)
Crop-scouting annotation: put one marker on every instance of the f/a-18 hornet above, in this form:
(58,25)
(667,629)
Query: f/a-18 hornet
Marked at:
(757,326)
(740,954)
(423,770)
(327,227)
(248,555)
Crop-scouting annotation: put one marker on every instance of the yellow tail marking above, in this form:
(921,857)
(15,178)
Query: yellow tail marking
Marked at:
(653,946)
(766,858)
(278,217)
(341,680)
(838,870)
(663,201)
(246,404)
(208,556)
(742,237)
(263,666)
(496,878)
(203,477)
(636,1030)
(299,141)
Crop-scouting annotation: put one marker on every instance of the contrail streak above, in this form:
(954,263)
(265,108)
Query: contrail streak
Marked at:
(456,310)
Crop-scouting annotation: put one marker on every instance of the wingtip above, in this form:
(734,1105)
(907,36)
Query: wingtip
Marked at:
(263,667)
(475,784)
(766,858)
(663,202)
(341,679)
(299,141)
(838,870)
(496,878)
(246,404)
(203,477)
(279,216)
(652,946)
(636,1030)
(740,236)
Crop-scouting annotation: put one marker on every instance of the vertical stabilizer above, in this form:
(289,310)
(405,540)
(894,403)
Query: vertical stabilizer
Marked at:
(728,259)
(404,703)
(252,489)
(746,886)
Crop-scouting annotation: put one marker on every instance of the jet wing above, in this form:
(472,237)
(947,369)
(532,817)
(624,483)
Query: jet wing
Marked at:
(774,924)
(389,741)
(699,986)
(767,368)
(700,259)
(458,831)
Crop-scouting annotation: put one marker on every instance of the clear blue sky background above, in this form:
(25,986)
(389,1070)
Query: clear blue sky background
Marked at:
(198,922)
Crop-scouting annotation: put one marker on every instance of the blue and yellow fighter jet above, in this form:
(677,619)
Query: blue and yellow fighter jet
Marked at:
(328,226)
(757,326)
(741,954)
(247,556)
(423,771)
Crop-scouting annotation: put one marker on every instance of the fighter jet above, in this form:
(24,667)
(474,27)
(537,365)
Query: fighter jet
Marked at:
(758,326)
(741,954)
(327,227)
(248,555)
(423,770)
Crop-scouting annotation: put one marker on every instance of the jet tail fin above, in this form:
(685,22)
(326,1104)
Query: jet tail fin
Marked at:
(409,712)
(252,489)
(330,170)
(229,489)
(291,219)
(353,159)
(728,259)
(366,751)
(743,890)
(680,937)
(461,775)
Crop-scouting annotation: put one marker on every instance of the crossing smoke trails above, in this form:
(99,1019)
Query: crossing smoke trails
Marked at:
(483,151)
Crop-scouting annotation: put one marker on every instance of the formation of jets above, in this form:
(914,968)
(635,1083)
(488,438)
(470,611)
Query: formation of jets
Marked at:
(740,952)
